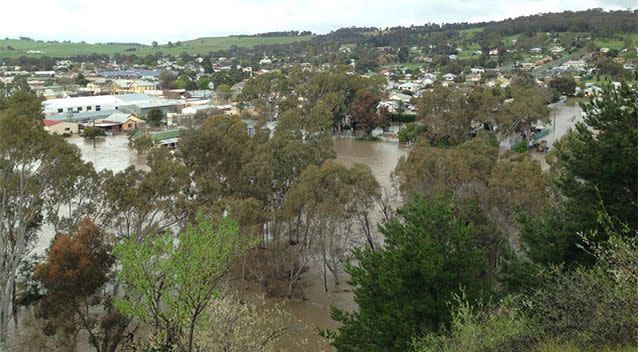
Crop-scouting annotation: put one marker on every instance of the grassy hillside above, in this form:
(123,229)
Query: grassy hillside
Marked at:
(198,46)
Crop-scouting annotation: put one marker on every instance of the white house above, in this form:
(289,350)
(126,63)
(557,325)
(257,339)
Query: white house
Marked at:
(400,97)
(410,87)
(449,76)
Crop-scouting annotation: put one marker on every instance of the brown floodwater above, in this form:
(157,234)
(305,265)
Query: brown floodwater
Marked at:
(313,310)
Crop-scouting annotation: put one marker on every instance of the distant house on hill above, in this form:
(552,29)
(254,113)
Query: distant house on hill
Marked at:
(410,87)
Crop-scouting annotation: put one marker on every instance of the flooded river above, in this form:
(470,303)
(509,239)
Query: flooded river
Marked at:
(113,153)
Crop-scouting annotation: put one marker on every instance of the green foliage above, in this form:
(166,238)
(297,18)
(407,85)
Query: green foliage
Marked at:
(224,92)
(35,169)
(411,132)
(593,307)
(482,328)
(91,132)
(563,84)
(155,117)
(598,170)
(403,118)
(520,147)
(588,308)
(81,80)
(170,281)
(402,288)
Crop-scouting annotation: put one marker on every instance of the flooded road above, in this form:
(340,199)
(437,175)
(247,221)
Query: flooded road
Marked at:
(112,153)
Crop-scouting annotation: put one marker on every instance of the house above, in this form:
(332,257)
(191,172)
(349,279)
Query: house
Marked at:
(133,86)
(400,97)
(449,76)
(192,110)
(527,65)
(60,127)
(390,105)
(543,61)
(476,70)
(410,87)
(473,77)
(556,49)
(536,51)
(133,123)
(100,85)
(429,76)
(452,57)
(493,52)
(577,65)
(478,53)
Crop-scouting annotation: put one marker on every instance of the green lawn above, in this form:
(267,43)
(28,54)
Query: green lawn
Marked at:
(197,46)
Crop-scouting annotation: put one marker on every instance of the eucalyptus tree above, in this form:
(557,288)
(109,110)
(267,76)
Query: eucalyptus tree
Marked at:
(35,167)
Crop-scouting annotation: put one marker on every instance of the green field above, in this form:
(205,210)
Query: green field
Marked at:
(470,32)
(616,43)
(197,46)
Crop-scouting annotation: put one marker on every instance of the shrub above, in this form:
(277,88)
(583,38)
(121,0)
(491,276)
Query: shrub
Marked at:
(411,132)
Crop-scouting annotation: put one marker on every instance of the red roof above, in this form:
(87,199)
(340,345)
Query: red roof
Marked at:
(50,122)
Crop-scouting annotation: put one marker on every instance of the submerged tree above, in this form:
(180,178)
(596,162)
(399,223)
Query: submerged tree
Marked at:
(33,166)
(75,276)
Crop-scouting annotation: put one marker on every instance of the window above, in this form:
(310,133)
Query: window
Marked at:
(88,108)
(79,108)
(69,109)
(130,125)
(67,129)
(60,110)
(97,108)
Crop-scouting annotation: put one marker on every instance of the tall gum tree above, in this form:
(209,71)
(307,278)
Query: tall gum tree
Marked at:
(34,166)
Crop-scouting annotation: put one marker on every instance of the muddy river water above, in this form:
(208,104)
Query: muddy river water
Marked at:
(113,153)
(314,310)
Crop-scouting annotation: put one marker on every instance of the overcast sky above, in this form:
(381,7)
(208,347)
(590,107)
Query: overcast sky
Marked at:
(148,20)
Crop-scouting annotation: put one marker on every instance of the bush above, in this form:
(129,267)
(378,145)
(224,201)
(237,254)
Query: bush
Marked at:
(483,328)
(403,118)
(588,307)
(411,132)
(520,147)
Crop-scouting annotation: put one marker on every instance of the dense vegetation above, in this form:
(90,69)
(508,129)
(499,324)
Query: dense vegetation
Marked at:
(480,249)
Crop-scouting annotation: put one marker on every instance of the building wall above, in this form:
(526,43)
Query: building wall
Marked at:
(132,124)
(62,128)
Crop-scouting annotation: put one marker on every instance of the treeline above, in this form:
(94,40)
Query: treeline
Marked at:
(291,33)
(597,21)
